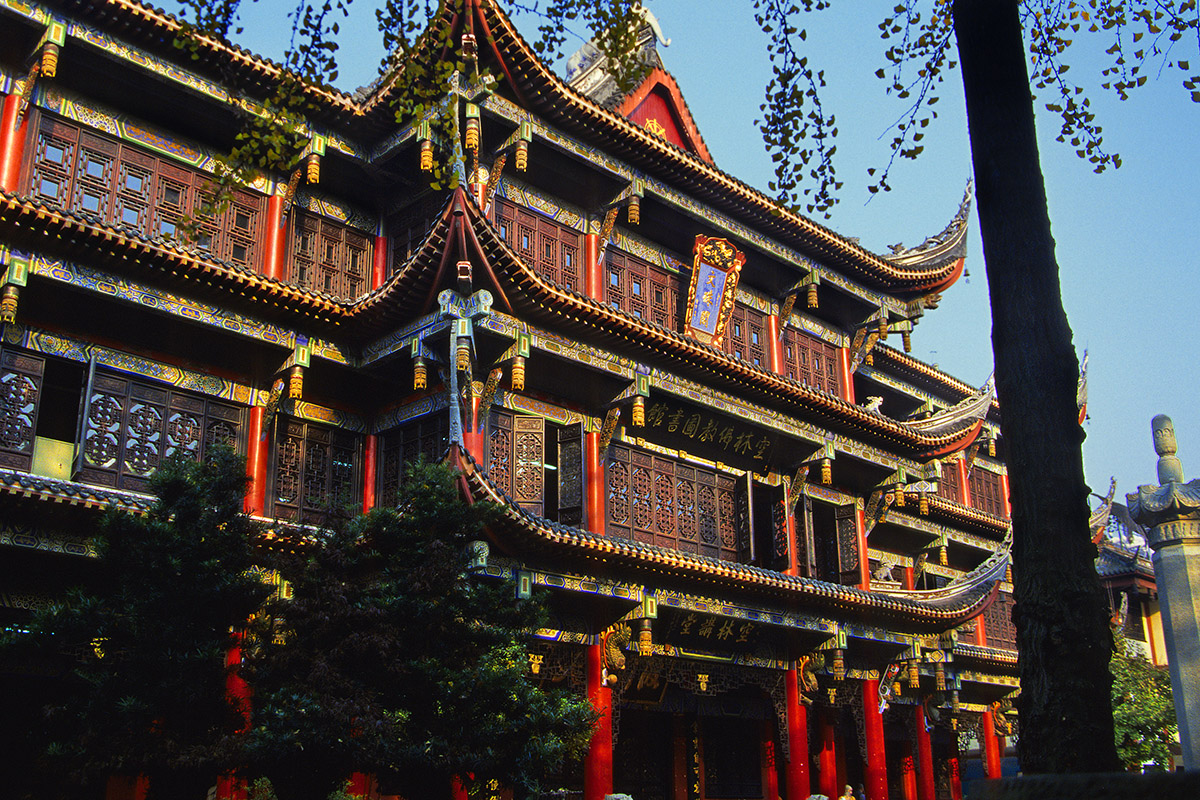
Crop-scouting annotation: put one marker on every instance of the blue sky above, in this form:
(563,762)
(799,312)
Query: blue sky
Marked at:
(1126,240)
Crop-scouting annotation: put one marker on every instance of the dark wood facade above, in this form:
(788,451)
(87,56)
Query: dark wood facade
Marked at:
(780,556)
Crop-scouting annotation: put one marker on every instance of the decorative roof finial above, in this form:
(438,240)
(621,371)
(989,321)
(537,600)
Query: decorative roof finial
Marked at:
(1170,468)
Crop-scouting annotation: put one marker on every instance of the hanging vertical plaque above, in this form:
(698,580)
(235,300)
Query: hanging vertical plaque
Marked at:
(715,269)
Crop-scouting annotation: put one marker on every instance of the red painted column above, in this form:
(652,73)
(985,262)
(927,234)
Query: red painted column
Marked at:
(593,278)
(793,557)
(991,747)
(908,774)
(770,774)
(774,346)
(597,764)
(875,771)
(274,239)
(926,779)
(593,477)
(123,787)
(961,466)
(955,780)
(827,781)
(847,379)
(379,259)
(864,564)
(797,780)
(679,765)
(237,692)
(256,463)
(980,631)
(359,785)
(370,456)
(12,142)
(1004,495)
(473,438)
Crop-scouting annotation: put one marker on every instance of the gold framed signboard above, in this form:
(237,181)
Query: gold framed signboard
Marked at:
(716,266)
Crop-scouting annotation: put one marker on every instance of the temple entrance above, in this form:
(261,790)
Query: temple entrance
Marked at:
(643,758)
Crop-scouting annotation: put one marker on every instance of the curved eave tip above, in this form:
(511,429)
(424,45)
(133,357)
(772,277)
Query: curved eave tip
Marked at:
(950,244)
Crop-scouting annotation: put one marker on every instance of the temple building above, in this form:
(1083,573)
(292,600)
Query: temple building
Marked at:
(774,543)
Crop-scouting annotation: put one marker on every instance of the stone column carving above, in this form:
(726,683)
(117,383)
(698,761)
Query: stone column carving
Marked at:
(1170,513)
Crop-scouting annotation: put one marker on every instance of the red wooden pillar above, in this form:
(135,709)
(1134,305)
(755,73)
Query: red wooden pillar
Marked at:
(789,522)
(797,780)
(593,278)
(991,747)
(12,142)
(359,785)
(597,764)
(256,463)
(770,774)
(370,456)
(864,563)
(379,259)
(123,787)
(846,377)
(274,239)
(473,437)
(237,693)
(875,770)
(827,781)
(593,476)
(1004,494)
(679,765)
(955,780)
(774,346)
(926,780)
(961,466)
(908,774)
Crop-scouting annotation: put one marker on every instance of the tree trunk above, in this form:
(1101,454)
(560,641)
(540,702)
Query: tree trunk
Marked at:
(1061,615)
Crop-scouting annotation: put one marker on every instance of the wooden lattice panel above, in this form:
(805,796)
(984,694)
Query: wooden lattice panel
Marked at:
(329,257)
(315,472)
(131,426)
(811,361)
(118,184)
(550,248)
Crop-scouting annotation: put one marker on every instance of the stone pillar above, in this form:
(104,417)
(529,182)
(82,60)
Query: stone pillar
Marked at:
(1170,512)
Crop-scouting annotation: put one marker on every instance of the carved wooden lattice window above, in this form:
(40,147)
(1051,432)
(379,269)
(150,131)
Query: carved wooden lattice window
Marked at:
(847,544)
(20,390)
(529,475)
(428,437)
(552,249)
(127,187)
(537,463)
(745,335)
(811,361)
(986,492)
(130,427)
(316,471)
(998,624)
(949,485)
(642,289)
(666,503)
(408,228)
(329,257)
